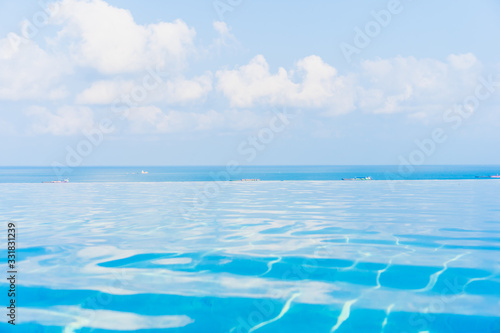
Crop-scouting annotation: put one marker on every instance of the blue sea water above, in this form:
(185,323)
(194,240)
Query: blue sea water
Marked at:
(270,256)
(216,173)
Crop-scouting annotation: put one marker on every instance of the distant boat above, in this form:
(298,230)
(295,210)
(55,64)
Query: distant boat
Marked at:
(144,172)
(250,180)
(495,176)
(358,178)
(57,181)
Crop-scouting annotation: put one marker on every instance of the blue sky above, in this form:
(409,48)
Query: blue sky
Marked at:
(204,83)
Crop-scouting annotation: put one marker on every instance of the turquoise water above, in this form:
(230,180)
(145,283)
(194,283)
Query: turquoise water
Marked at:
(222,173)
(292,256)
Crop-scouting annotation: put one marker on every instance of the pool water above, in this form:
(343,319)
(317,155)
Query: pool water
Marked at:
(270,256)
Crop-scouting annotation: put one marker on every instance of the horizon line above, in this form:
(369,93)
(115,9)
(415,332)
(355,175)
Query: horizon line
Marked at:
(240,165)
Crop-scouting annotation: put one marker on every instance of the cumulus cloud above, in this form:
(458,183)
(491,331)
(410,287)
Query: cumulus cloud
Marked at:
(408,84)
(28,71)
(225,37)
(108,39)
(312,83)
(66,120)
(182,90)
(176,91)
(400,84)
(93,34)
(104,91)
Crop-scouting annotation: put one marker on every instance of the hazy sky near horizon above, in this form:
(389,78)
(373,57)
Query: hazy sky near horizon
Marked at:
(261,82)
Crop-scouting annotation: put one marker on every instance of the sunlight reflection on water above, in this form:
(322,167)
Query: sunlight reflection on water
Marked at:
(291,256)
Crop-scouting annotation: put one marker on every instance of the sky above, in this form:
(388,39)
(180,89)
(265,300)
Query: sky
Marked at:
(93,82)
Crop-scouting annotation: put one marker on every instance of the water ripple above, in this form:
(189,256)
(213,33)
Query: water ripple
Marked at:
(266,257)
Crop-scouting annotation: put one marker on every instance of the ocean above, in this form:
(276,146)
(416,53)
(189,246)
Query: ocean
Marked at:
(177,250)
(223,173)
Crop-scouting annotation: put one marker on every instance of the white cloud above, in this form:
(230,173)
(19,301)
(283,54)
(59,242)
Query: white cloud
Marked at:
(312,83)
(462,61)
(408,84)
(221,27)
(29,72)
(253,83)
(225,38)
(92,33)
(65,120)
(177,91)
(104,91)
(151,119)
(182,90)
(322,87)
(107,38)
(400,84)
